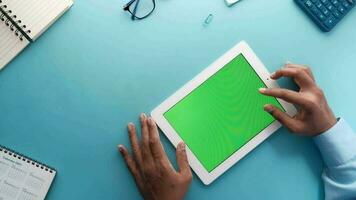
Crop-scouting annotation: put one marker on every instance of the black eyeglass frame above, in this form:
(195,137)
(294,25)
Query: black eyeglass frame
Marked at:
(133,13)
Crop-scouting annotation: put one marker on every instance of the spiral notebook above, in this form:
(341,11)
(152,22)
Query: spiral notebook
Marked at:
(23,178)
(23,21)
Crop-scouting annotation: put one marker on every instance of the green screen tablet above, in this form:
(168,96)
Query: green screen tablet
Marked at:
(223,114)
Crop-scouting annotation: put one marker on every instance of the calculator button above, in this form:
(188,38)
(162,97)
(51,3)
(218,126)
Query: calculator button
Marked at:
(327,5)
(314,1)
(347,5)
(330,7)
(308,3)
(325,11)
(315,10)
(319,4)
(324,1)
(334,2)
(330,22)
(337,14)
(341,9)
(321,17)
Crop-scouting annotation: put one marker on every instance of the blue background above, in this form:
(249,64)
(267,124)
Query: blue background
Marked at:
(67,98)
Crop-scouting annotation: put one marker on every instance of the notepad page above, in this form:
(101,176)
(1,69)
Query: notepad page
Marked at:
(22,180)
(10,44)
(37,15)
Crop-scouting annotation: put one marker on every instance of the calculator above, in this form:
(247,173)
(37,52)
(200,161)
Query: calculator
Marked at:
(326,13)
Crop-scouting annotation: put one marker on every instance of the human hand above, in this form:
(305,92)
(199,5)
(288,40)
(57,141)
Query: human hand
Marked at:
(154,175)
(314,115)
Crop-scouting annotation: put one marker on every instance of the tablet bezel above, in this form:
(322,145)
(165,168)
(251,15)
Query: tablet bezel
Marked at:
(158,113)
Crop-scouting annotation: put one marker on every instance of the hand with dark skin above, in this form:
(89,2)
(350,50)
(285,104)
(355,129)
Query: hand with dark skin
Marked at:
(154,175)
(314,114)
(158,180)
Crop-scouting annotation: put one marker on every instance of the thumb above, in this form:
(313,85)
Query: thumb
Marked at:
(182,159)
(282,117)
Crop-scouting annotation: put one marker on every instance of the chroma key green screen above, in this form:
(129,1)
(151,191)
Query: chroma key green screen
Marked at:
(223,113)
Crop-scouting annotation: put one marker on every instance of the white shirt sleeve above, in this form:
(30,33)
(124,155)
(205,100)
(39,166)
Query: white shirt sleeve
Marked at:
(338,149)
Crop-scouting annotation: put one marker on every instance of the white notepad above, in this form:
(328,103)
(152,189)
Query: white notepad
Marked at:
(23,21)
(23,178)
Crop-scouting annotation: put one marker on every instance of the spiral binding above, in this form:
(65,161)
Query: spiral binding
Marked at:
(13,23)
(26,159)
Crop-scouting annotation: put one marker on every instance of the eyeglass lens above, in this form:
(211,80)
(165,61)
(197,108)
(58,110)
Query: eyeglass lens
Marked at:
(141,9)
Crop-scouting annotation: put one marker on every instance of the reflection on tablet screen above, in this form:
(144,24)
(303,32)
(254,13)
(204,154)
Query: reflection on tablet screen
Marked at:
(223,113)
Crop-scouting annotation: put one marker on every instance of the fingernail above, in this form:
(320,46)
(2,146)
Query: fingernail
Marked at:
(143,116)
(130,126)
(273,74)
(262,90)
(288,62)
(150,120)
(268,108)
(181,145)
(120,148)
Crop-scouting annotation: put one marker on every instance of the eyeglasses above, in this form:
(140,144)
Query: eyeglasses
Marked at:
(140,9)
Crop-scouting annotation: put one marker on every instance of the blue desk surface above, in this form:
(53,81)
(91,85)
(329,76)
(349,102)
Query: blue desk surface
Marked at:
(67,98)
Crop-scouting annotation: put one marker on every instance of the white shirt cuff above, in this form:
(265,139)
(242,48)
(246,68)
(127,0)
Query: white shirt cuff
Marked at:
(337,145)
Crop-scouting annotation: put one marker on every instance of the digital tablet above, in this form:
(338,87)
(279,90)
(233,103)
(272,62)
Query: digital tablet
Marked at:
(219,114)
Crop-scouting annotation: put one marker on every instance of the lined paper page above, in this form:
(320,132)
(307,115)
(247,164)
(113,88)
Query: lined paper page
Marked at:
(23,179)
(10,44)
(37,15)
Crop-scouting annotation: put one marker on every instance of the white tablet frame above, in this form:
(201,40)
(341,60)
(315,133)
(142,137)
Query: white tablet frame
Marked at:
(173,136)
